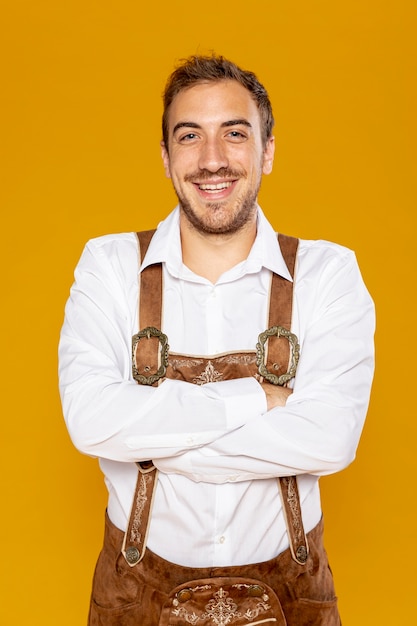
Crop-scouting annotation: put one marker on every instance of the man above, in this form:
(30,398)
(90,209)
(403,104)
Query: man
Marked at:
(224,443)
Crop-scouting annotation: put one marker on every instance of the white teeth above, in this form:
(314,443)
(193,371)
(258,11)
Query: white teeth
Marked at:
(218,187)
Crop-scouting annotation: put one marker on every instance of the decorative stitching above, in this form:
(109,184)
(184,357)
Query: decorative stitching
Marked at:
(221,609)
(231,359)
(141,500)
(294,502)
(239,359)
(176,363)
(260,608)
(190,618)
(209,375)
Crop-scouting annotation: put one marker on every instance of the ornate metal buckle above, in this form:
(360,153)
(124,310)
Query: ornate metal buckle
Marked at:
(147,333)
(277,331)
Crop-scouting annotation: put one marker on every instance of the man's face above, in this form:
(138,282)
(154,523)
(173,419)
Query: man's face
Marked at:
(215,155)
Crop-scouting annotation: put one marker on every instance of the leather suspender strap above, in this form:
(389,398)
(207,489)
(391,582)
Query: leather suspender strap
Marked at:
(150,312)
(134,541)
(281,289)
(150,309)
(281,301)
(280,307)
(290,497)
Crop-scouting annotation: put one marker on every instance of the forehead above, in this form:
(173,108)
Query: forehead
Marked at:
(213,103)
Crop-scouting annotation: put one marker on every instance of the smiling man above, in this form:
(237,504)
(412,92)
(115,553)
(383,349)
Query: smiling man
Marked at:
(217,370)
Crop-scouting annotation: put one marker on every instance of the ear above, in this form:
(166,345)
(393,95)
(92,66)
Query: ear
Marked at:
(268,159)
(165,159)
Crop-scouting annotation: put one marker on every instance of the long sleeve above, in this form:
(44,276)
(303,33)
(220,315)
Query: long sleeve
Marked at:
(318,430)
(107,414)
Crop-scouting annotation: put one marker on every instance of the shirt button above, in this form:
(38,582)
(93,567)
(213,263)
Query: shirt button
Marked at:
(222,539)
(189,441)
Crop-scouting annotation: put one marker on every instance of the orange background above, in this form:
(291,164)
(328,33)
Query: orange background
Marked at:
(80,113)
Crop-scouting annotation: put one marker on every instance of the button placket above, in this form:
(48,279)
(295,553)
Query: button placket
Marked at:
(214,321)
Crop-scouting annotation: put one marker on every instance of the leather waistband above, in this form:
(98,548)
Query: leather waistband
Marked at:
(150,568)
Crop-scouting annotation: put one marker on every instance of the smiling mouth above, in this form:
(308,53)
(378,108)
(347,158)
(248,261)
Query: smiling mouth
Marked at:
(215,187)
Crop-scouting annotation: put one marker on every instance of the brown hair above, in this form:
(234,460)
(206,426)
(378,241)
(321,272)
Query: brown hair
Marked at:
(197,69)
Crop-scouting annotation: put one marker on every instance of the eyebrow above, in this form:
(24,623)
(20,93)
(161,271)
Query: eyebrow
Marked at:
(185,125)
(237,122)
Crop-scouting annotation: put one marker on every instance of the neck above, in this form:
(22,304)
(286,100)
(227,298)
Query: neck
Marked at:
(210,255)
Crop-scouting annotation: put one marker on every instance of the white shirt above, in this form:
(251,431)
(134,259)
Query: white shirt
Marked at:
(217,447)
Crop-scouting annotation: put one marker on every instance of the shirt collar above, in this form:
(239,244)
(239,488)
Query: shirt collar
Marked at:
(265,251)
(165,247)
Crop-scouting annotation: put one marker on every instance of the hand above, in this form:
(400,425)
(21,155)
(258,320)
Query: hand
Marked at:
(275,395)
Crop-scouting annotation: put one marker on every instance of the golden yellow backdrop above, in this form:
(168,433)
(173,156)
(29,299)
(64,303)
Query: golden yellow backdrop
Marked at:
(80,113)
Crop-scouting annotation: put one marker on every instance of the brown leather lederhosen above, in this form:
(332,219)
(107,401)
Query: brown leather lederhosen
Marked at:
(134,586)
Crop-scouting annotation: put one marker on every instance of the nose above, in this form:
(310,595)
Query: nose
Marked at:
(212,155)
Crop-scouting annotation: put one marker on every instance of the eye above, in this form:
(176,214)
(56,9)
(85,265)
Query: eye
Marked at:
(188,137)
(236,135)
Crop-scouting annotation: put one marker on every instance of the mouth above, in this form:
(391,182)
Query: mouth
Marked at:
(215,187)
(218,190)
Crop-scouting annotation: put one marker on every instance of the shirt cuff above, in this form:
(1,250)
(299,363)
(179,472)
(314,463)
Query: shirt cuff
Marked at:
(243,399)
